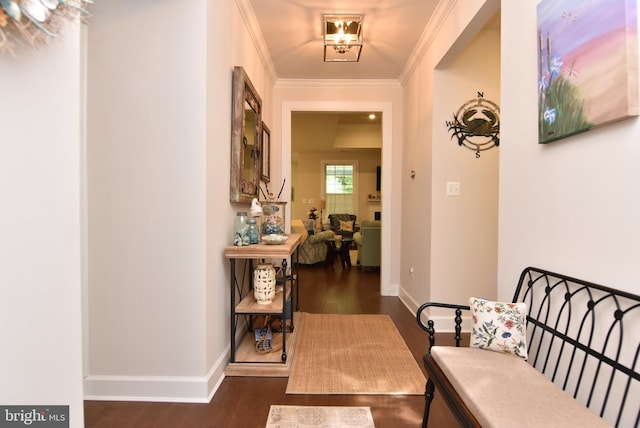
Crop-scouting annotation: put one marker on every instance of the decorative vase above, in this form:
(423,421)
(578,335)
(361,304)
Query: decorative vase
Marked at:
(264,283)
(273,218)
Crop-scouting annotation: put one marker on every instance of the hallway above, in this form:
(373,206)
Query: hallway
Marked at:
(244,401)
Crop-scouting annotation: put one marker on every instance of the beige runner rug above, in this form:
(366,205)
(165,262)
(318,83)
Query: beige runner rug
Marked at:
(353,354)
(319,416)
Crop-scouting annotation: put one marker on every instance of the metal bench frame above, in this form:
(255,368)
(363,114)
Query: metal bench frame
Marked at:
(583,336)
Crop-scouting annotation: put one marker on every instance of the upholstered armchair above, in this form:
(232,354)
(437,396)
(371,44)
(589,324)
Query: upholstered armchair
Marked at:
(313,248)
(343,224)
(368,241)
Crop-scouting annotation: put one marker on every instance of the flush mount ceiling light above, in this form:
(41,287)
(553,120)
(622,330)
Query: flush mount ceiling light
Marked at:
(342,38)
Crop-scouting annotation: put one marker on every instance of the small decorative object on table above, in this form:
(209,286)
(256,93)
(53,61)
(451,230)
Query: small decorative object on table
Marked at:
(322,205)
(312,213)
(256,208)
(240,230)
(273,221)
(274,239)
(264,283)
(263,337)
(264,334)
(253,233)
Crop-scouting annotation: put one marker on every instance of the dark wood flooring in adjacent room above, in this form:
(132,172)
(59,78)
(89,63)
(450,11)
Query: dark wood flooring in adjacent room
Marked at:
(244,401)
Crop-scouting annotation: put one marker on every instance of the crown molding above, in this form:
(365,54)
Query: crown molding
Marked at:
(337,83)
(253,27)
(443,9)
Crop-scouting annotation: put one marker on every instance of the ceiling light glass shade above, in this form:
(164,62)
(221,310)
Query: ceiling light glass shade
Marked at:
(342,38)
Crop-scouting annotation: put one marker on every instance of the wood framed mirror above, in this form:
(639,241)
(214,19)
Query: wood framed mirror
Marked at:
(246,136)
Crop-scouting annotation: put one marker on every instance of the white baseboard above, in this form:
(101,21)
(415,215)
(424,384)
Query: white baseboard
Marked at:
(442,323)
(174,389)
(408,301)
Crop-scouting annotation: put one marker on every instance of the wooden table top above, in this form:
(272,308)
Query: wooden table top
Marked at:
(260,251)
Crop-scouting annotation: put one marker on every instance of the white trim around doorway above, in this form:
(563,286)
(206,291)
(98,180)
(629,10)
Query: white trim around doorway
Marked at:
(390,227)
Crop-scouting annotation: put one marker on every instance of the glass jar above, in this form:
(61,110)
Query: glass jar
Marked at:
(273,216)
(240,230)
(254,235)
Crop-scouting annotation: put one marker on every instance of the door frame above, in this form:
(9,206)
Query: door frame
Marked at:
(388,225)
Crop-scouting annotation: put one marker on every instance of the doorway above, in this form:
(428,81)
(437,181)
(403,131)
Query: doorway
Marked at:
(389,227)
(335,160)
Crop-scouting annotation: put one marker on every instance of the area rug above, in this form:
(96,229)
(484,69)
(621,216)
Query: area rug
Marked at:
(353,354)
(319,416)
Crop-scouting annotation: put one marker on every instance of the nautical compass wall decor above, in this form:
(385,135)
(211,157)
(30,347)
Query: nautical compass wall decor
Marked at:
(476,124)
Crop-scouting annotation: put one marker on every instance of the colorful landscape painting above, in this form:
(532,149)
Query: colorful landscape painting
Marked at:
(587,65)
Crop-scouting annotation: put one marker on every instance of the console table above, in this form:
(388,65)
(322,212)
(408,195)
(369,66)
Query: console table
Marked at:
(243,302)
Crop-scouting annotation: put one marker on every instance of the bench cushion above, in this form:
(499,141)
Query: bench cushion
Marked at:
(502,390)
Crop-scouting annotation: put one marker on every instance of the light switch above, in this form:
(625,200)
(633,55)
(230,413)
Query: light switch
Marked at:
(304,201)
(453,188)
(312,201)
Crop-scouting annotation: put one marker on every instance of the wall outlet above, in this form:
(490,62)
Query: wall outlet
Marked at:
(312,201)
(304,201)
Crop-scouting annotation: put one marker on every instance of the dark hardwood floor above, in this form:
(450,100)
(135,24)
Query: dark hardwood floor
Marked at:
(244,401)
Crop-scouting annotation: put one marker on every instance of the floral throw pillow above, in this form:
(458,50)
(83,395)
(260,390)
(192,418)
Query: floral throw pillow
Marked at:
(499,326)
(346,226)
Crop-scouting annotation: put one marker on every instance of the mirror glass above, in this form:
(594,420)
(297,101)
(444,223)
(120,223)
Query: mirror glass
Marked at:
(249,143)
(245,139)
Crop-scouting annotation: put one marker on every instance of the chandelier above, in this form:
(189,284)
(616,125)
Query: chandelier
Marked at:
(342,38)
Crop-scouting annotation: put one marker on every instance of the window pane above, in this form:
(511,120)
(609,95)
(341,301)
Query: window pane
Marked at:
(339,179)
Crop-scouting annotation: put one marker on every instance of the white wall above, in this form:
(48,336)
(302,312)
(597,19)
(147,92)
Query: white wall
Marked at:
(417,190)
(40,311)
(230,43)
(446,255)
(464,231)
(146,185)
(570,206)
(158,166)
(218,148)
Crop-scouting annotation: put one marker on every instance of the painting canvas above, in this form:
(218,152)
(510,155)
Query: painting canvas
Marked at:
(587,65)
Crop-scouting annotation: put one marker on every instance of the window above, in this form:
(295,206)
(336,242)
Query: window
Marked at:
(340,187)
(339,179)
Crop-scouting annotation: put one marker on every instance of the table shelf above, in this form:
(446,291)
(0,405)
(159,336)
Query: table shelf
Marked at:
(249,305)
(243,302)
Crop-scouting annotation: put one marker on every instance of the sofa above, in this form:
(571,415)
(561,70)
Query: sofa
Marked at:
(368,241)
(343,224)
(313,247)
